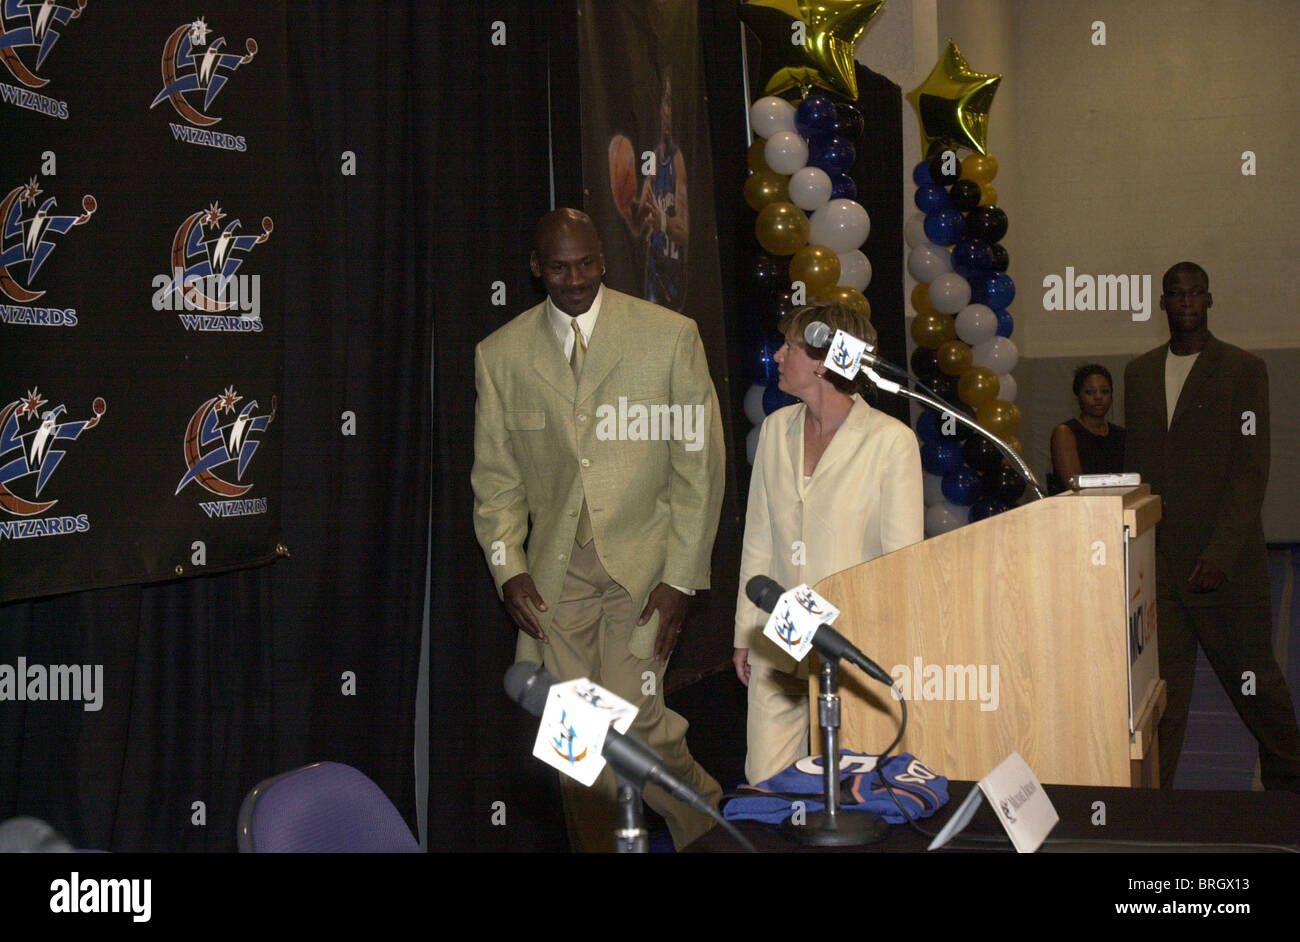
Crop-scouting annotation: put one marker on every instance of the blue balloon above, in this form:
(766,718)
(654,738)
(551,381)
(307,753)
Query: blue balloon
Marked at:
(1000,290)
(835,155)
(944,226)
(759,355)
(962,486)
(931,197)
(972,257)
(930,427)
(1006,323)
(942,456)
(986,507)
(774,398)
(815,117)
(843,188)
(979,288)
(921,174)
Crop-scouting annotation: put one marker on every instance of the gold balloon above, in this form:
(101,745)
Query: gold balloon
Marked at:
(850,297)
(988,195)
(921,299)
(981,168)
(782,228)
(1014,444)
(755,158)
(977,386)
(1000,417)
(825,58)
(933,330)
(953,103)
(766,186)
(817,267)
(954,357)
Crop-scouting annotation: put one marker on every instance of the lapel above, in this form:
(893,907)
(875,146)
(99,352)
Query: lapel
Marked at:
(1206,365)
(607,344)
(842,444)
(546,356)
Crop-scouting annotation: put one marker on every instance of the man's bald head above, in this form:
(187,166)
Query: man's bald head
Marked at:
(569,259)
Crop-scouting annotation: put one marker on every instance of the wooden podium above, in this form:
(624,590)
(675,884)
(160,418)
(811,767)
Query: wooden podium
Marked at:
(1024,632)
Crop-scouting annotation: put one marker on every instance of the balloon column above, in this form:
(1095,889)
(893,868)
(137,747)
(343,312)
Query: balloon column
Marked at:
(809,225)
(962,326)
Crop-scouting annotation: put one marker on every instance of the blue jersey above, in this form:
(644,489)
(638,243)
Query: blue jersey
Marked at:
(665,264)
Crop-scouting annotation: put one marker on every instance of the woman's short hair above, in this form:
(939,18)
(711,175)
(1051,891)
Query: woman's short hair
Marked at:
(1089,369)
(837,316)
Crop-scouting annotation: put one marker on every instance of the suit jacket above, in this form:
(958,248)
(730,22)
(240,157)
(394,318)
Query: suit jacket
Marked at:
(1210,468)
(864,500)
(542,441)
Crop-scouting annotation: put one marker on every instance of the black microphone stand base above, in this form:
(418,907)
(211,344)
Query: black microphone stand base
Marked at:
(819,829)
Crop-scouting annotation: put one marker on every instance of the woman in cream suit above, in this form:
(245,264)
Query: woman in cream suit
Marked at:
(835,483)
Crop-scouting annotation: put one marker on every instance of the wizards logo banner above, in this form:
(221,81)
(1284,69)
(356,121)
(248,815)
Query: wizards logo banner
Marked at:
(142,177)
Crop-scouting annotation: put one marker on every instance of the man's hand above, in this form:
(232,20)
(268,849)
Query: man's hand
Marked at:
(517,592)
(1206,577)
(740,657)
(672,612)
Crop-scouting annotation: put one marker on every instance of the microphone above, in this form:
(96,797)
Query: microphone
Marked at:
(817,334)
(26,835)
(829,643)
(529,684)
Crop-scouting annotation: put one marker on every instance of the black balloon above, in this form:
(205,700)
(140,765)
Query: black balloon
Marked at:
(946,387)
(982,455)
(848,120)
(986,222)
(965,195)
(1001,258)
(768,274)
(937,164)
(779,304)
(925,365)
(1005,485)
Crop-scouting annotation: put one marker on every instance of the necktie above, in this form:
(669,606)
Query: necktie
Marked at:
(576,359)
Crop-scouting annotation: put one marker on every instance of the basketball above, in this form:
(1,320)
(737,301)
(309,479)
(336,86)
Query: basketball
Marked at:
(622,172)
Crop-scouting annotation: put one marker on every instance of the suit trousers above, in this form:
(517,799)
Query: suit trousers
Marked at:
(777,724)
(1236,639)
(589,638)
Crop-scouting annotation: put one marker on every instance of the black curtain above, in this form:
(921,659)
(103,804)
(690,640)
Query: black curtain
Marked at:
(215,683)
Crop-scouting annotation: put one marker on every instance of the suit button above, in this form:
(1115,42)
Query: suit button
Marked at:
(563,557)
(573,513)
(582,417)
(585,462)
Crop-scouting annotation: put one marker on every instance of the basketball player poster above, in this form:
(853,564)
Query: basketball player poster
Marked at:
(646,163)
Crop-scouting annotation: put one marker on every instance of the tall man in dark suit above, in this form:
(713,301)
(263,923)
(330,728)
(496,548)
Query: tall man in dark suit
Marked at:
(619,517)
(1198,433)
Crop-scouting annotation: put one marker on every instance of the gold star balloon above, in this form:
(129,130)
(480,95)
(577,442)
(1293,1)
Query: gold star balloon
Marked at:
(830,29)
(953,103)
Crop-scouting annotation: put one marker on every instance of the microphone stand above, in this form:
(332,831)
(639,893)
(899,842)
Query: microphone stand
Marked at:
(829,828)
(940,406)
(630,836)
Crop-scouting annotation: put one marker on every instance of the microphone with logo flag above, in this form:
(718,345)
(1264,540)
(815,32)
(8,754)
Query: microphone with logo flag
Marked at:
(536,690)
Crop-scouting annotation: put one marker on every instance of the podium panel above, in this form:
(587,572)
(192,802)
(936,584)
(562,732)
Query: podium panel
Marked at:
(1010,634)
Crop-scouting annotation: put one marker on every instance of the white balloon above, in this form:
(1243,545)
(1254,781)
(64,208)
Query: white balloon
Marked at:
(810,188)
(950,292)
(999,354)
(751,444)
(932,487)
(785,152)
(942,517)
(927,262)
(1007,387)
(770,115)
(855,270)
(914,230)
(977,323)
(840,225)
(754,403)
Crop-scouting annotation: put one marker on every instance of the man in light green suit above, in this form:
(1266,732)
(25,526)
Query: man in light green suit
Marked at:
(598,442)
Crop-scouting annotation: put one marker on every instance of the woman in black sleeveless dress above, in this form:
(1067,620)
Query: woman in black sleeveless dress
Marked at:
(1089,444)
